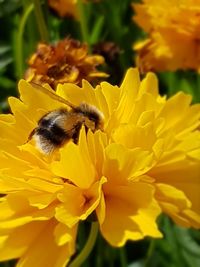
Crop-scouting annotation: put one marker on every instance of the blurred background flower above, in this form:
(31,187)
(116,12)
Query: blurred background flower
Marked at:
(173,29)
(66,62)
(67,8)
(64,7)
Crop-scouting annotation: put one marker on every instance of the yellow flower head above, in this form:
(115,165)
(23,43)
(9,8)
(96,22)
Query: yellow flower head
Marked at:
(146,159)
(67,61)
(173,29)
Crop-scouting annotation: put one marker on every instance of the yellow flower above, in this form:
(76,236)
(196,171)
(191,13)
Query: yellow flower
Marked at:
(173,35)
(67,61)
(146,160)
(126,209)
(32,234)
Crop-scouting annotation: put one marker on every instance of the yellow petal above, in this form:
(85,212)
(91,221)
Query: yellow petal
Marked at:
(63,234)
(18,212)
(128,93)
(127,207)
(52,255)
(75,163)
(111,94)
(131,83)
(175,203)
(132,136)
(84,203)
(176,105)
(14,244)
(149,85)
(96,144)
(123,164)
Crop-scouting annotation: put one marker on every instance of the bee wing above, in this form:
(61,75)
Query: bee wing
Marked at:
(52,94)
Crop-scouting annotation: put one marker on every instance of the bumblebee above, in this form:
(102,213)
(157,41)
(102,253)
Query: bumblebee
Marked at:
(61,125)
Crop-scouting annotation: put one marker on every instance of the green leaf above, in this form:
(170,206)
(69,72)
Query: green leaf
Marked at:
(97,30)
(4,62)
(190,249)
(8,7)
(4,49)
(136,264)
(178,248)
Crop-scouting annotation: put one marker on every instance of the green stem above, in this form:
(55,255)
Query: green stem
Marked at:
(31,30)
(172,83)
(19,42)
(123,259)
(150,252)
(100,248)
(87,248)
(40,21)
(83,23)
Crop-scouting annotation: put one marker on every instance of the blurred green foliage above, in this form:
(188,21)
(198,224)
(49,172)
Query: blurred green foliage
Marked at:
(107,20)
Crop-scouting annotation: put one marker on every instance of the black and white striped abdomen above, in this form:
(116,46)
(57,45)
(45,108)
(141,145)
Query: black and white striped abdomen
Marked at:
(50,132)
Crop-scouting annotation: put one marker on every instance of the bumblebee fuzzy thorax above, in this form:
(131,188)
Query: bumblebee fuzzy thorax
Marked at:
(59,126)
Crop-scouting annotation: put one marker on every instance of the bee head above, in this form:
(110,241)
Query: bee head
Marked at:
(94,118)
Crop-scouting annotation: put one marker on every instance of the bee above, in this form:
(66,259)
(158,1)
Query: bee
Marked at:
(58,126)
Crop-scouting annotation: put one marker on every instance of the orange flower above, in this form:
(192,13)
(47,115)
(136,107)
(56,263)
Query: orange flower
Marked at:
(66,62)
(173,29)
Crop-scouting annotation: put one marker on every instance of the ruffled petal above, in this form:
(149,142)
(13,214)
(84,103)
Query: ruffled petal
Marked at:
(84,203)
(130,214)
(75,163)
(176,204)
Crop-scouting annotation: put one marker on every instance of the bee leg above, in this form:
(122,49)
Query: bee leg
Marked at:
(75,136)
